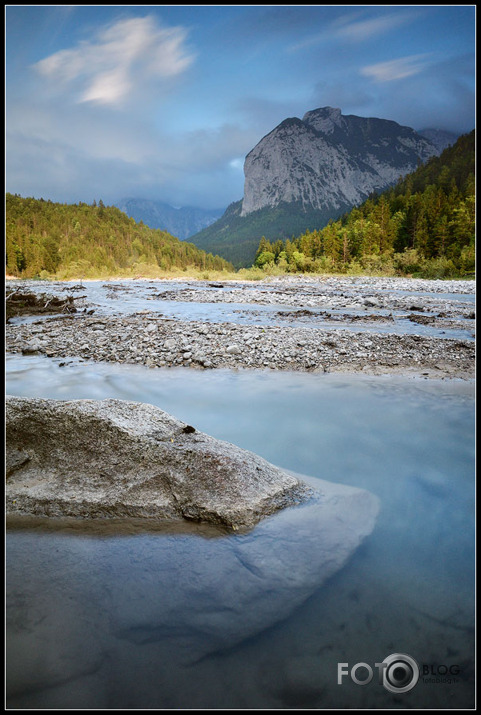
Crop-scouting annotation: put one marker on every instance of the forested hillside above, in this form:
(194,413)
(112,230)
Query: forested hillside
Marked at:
(237,237)
(424,225)
(46,239)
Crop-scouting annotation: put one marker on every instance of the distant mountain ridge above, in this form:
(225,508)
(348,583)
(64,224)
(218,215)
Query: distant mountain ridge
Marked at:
(181,222)
(439,137)
(307,171)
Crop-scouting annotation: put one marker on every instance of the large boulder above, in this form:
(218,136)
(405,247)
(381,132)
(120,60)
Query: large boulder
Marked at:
(110,595)
(114,458)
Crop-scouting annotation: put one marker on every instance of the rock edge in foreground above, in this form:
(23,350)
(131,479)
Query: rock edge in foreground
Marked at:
(115,458)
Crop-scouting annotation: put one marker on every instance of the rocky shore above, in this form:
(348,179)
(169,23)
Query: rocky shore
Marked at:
(156,342)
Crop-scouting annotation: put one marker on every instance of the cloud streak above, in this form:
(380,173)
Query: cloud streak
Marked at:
(123,57)
(363,30)
(349,28)
(396,69)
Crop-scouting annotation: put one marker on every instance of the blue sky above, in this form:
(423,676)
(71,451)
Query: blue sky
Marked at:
(164,102)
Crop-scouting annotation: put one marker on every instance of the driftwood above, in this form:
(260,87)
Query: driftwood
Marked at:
(18,302)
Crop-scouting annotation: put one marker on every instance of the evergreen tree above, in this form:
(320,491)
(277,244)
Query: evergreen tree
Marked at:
(73,240)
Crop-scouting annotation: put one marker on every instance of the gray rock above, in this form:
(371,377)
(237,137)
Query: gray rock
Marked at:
(34,347)
(329,161)
(234,587)
(113,458)
(233,350)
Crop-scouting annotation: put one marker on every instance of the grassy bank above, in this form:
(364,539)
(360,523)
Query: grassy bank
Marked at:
(244,274)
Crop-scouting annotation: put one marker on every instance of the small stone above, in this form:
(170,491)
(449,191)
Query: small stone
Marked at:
(233,350)
(32,348)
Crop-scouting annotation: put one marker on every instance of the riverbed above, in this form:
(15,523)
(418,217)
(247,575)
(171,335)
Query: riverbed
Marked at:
(87,621)
(375,326)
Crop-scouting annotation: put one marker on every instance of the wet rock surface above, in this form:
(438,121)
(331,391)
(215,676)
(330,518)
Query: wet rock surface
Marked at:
(126,467)
(114,458)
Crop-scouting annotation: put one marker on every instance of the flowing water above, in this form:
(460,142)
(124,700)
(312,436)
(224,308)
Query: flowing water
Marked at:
(88,624)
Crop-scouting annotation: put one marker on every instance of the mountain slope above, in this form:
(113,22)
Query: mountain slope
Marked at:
(327,160)
(237,236)
(77,240)
(305,172)
(424,225)
(439,137)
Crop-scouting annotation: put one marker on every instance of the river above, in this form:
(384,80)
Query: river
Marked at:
(87,625)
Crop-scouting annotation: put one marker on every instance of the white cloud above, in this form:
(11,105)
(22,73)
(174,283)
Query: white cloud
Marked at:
(122,58)
(237,164)
(396,69)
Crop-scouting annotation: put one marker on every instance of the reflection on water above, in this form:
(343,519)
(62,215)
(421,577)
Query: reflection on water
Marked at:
(95,605)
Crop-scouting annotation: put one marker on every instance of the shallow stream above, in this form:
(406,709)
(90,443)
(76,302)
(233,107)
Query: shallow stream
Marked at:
(125,297)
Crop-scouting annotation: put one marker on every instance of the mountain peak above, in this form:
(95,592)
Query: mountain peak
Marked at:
(329,162)
(324,119)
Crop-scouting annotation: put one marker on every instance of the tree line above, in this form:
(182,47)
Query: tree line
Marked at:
(46,239)
(423,226)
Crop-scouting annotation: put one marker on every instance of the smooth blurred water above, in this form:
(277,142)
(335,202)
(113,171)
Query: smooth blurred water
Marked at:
(408,589)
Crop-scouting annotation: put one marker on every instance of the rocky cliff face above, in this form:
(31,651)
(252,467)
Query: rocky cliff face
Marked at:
(330,161)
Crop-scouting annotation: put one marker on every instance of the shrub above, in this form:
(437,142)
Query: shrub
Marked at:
(441,267)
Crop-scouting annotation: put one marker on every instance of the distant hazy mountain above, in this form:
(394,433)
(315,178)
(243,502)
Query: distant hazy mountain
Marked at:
(439,137)
(181,222)
(305,172)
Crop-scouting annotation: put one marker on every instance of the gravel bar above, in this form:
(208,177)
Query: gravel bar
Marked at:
(148,339)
